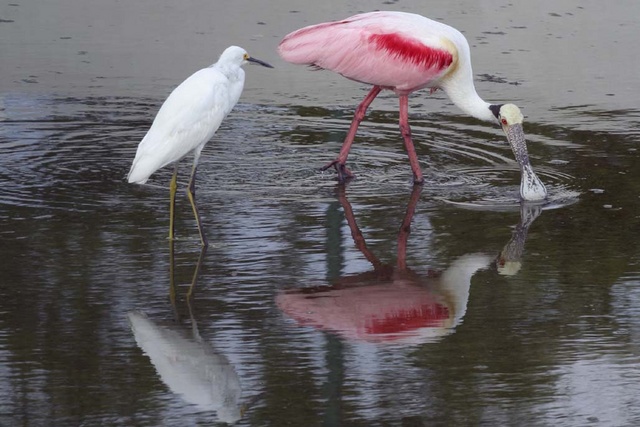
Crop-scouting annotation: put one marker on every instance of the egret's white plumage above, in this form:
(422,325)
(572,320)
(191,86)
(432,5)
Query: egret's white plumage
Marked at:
(188,119)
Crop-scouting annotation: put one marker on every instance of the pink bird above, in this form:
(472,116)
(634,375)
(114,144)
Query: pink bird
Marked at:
(405,52)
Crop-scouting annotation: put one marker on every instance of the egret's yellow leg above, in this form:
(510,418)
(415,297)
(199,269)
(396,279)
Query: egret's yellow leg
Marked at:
(173,186)
(192,198)
(196,273)
(194,280)
(172,284)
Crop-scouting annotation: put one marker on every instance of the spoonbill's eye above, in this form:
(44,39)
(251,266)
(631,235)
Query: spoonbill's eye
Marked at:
(504,121)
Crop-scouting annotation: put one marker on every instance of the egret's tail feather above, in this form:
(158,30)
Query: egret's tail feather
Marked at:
(137,174)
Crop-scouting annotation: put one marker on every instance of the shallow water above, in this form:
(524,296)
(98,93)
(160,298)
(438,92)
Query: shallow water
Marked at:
(317,304)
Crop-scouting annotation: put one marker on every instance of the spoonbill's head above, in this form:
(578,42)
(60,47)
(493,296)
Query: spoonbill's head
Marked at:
(235,55)
(510,118)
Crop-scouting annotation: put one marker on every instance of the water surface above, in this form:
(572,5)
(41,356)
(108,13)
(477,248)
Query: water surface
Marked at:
(374,304)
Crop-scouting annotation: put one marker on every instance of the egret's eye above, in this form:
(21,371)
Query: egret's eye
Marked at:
(504,121)
(246,56)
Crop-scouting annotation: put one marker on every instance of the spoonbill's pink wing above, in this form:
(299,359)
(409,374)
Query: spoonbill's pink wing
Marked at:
(376,313)
(395,50)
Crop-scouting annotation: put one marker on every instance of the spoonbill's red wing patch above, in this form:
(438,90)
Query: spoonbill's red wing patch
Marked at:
(426,316)
(412,51)
(370,52)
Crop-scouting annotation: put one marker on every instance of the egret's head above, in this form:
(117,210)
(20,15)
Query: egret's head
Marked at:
(235,55)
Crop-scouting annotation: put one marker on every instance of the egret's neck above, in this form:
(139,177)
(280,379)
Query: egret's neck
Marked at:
(463,93)
(233,72)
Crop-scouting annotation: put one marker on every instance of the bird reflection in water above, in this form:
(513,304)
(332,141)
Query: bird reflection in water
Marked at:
(189,366)
(509,261)
(391,303)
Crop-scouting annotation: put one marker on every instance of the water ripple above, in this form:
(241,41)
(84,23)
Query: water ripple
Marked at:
(72,154)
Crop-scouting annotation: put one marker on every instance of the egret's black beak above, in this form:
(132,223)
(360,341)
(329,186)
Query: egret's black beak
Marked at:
(257,61)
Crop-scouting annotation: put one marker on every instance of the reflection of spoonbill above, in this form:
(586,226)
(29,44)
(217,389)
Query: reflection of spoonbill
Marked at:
(187,120)
(391,304)
(509,261)
(399,309)
(405,52)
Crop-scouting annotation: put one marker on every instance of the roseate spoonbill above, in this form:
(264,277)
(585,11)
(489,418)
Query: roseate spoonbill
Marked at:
(405,52)
(187,120)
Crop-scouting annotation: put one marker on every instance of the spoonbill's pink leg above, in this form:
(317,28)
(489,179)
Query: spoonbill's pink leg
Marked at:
(405,229)
(406,134)
(339,162)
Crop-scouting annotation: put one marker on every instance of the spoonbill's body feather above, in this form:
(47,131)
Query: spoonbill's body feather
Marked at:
(400,51)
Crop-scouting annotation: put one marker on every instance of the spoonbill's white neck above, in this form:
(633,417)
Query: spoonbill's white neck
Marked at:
(463,94)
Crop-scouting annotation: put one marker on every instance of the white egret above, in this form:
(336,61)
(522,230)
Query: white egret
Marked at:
(186,122)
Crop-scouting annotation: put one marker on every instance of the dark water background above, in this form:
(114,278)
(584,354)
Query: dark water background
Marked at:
(302,313)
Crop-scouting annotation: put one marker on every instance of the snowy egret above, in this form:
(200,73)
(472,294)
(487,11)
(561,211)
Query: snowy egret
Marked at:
(405,52)
(187,120)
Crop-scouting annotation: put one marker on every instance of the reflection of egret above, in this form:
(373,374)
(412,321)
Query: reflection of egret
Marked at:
(405,52)
(188,365)
(187,120)
(390,304)
(509,262)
